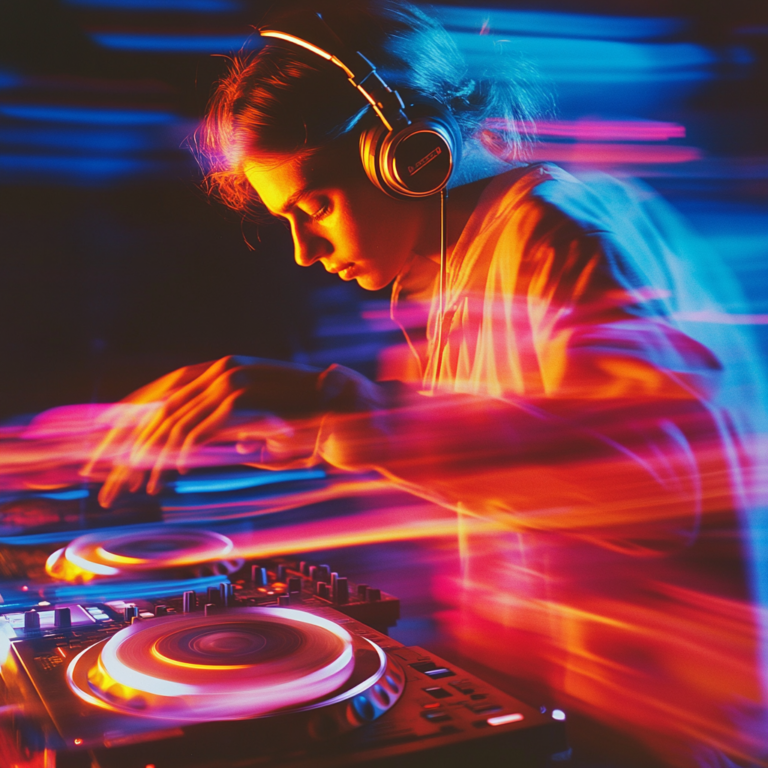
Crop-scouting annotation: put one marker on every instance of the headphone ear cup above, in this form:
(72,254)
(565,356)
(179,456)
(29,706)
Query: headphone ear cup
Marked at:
(371,141)
(416,161)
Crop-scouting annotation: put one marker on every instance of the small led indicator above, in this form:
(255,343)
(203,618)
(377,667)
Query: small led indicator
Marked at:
(558,714)
(78,742)
(504,719)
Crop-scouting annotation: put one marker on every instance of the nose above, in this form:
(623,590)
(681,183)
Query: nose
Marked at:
(308,247)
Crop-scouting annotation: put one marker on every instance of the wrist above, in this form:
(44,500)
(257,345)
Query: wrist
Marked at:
(342,390)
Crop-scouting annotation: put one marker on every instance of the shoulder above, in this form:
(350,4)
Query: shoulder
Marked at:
(535,208)
(544,195)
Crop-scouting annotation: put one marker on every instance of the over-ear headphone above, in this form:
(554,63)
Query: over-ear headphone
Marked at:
(411,151)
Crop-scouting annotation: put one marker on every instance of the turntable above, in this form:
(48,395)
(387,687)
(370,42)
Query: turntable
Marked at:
(144,551)
(230,683)
(139,645)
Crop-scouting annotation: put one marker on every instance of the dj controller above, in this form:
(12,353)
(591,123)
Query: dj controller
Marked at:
(157,646)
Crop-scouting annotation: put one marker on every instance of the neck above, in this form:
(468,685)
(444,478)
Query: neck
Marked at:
(459,207)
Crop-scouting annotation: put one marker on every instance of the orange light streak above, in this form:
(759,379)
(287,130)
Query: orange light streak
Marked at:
(119,559)
(176,663)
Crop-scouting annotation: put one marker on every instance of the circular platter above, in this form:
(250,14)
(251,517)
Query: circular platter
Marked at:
(237,664)
(143,551)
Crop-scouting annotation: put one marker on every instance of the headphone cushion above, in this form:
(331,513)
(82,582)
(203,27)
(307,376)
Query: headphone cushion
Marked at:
(371,140)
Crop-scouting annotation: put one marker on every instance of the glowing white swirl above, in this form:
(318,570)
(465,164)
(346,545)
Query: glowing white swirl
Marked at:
(321,663)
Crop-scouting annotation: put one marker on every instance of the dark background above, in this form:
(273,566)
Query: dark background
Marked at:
(115,267)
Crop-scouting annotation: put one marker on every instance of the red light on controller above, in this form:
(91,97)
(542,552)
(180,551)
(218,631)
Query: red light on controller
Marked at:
(78,742)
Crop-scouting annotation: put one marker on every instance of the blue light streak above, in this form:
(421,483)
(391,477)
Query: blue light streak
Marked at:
(238,483)
(77,167)
(192,44)
(8,79)
(103,591)
(111,590)
(569,25)
(80,139)
(66,495)
(595,61)
(93,115)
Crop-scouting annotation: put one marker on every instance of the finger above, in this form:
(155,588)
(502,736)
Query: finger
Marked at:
(118,481)
(127,419)
(177,407)
(166,385)
(170,415)
(207,428)
(204,406)
(89,470)
(128,432)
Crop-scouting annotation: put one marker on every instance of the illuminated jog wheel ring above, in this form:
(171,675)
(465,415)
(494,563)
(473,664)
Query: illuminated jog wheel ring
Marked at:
(238,664)
(140,550)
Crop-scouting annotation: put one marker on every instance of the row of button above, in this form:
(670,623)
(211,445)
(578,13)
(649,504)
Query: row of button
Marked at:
(62,619)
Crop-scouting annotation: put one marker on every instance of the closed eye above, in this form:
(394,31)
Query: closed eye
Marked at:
(321,213)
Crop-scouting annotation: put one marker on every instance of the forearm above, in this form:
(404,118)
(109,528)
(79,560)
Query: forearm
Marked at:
(647,470)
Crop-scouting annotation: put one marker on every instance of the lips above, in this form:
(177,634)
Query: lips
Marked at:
(345,272)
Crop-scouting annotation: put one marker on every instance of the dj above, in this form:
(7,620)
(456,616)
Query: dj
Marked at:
(556,391)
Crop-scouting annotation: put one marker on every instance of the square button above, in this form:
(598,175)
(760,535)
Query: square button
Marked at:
(430,669)
(439,672)
(438,693)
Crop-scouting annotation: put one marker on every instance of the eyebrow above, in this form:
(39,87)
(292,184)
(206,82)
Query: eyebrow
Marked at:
(297,197)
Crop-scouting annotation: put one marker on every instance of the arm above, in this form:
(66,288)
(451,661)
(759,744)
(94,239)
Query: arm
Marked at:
(615,438)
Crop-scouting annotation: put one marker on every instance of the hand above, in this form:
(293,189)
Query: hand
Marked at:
(192,405)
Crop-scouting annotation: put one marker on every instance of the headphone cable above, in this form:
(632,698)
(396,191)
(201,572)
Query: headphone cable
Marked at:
(442,287)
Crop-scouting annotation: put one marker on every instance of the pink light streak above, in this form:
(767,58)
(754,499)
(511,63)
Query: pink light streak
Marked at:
(599,130)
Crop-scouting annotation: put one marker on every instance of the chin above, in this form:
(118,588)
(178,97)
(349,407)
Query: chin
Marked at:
(370,282)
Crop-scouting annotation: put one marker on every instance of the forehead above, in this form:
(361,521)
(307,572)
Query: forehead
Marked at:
(278,184)
(277,180)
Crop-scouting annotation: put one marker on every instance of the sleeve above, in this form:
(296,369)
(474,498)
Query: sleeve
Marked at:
(620,442)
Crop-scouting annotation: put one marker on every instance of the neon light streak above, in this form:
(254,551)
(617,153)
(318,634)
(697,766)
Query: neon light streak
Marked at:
(119,559)
(88,567)
(66,495)
(123,41)
(187,665)
(86,697)
(250,481)
(98,116)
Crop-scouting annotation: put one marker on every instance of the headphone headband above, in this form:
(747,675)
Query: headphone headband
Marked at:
(396,153)
(385,101)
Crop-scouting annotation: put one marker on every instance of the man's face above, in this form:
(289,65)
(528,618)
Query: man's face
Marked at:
(339,218)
